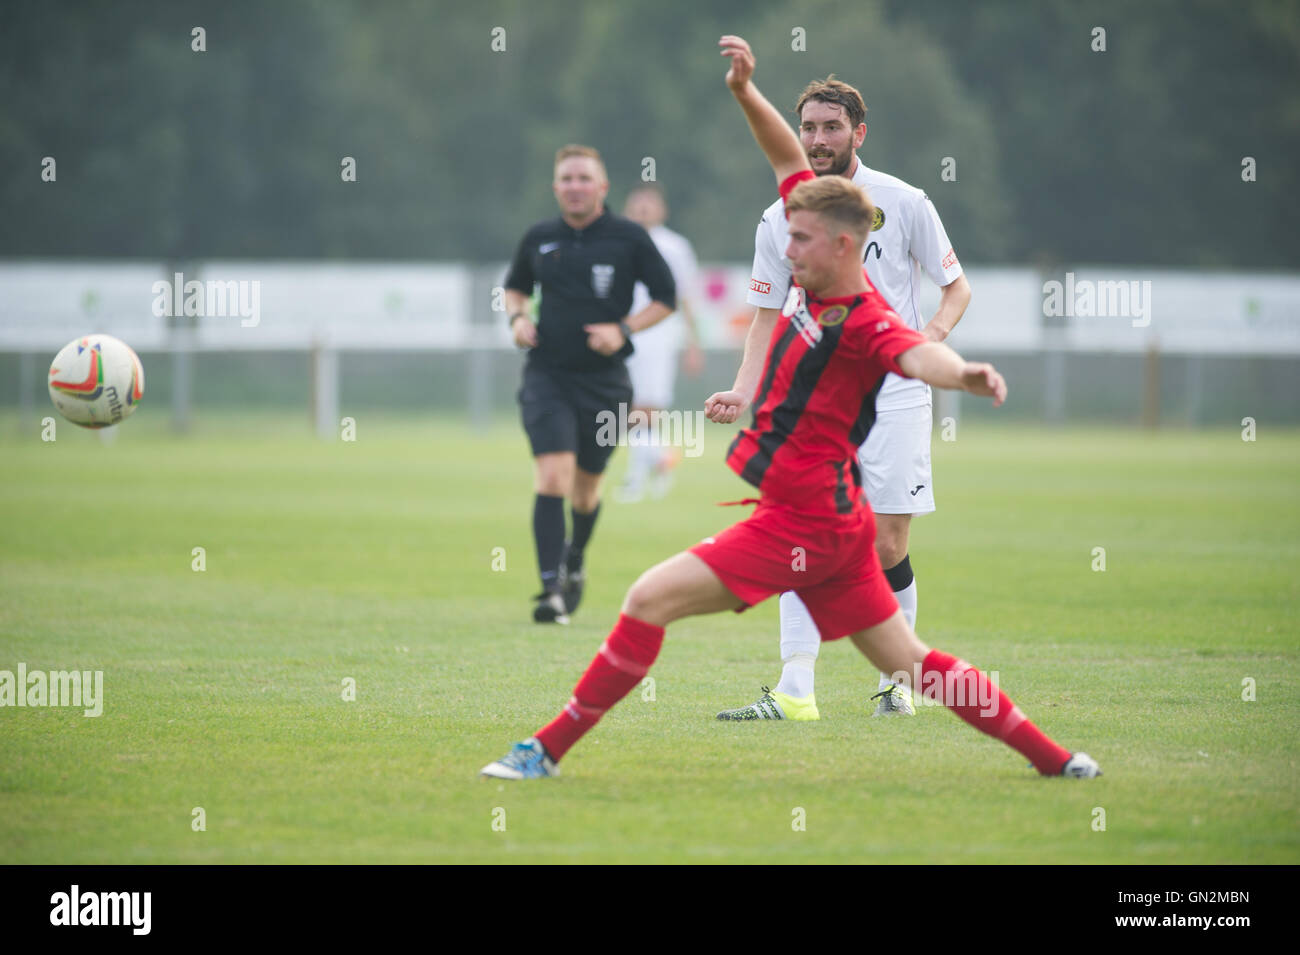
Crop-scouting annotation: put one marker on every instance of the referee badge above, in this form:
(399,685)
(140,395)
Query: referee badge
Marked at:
(878,222)
(602,277)
(832,315)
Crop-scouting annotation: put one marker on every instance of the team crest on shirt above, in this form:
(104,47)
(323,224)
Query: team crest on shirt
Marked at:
(878,222)
(832,315)
(602,279)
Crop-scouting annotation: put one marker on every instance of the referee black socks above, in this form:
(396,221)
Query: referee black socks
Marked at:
(582,528)
(548,533)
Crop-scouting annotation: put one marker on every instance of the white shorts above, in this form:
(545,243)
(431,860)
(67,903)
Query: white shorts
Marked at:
(653,367)
(895,462)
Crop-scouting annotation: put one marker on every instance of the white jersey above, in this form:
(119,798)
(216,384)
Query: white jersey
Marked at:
(906,237)
(680,256)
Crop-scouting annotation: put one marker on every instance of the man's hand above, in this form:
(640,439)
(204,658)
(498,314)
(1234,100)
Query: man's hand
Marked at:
(724,407)
(606,338)
(981,378)
(524,331)
(771,131)
(742,62)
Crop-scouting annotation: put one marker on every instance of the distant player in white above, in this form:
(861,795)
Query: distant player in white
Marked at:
(907,238)
(653,363)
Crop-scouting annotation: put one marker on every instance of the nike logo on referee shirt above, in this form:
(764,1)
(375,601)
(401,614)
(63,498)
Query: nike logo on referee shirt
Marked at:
(547,247)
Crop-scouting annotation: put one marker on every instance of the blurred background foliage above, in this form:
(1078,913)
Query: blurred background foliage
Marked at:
(1063,154)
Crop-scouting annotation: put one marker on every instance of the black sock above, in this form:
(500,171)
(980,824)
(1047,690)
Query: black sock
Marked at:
(900,575)
(582,527)
(548,532)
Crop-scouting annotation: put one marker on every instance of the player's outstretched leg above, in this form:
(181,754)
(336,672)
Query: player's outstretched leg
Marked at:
(793,698)
(681,586)
(895,648)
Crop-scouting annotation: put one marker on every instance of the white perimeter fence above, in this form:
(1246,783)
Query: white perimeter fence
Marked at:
(328,308)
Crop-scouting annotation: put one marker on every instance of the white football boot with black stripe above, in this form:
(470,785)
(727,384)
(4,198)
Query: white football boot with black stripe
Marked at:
(895,700)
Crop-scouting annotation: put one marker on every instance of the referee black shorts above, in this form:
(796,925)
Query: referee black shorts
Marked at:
(560,411)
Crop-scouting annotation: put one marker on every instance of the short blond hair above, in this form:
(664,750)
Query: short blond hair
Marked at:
(835,198)
(574,149)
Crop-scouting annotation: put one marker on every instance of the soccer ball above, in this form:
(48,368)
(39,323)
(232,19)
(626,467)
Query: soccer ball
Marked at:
(96,381)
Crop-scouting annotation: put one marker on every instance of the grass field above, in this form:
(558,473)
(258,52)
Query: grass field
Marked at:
(373,560)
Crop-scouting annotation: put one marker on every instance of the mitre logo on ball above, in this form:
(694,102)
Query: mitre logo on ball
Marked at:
(96,381)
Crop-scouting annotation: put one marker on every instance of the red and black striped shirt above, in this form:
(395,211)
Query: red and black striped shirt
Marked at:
(816,398)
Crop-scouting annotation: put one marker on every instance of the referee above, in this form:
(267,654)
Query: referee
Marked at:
(586,263)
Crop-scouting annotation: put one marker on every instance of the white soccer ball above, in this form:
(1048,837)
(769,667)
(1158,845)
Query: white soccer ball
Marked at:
(96,381)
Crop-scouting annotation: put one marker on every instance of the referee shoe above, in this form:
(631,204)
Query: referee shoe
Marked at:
(550,608)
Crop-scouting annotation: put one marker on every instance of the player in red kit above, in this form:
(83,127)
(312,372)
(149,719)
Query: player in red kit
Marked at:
(812,531)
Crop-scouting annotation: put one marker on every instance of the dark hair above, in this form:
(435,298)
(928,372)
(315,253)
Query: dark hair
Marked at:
(837,93)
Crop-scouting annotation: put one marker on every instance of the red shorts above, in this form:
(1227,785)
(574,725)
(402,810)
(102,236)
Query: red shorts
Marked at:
(832,566)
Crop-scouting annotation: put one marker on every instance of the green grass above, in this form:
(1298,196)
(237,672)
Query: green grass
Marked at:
(373,560)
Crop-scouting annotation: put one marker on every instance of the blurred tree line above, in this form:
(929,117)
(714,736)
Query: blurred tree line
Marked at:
(1062,152)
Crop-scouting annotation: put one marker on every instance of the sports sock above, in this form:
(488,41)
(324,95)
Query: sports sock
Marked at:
(800,643)
(968,693)
(583,524)
(619,666)
(903,584)
(548,533)
(642,459)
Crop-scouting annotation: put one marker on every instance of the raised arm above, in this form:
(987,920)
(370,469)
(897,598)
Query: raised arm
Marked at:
(773,134)
(938,365)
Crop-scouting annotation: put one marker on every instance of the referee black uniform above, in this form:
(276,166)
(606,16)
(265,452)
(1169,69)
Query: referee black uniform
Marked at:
(586,277)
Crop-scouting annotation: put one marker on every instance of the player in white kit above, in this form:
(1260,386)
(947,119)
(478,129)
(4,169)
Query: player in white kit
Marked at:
(653,364)
(906,239)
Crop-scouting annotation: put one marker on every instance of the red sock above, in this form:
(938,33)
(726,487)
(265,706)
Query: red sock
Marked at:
(622,662)
(968,693)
